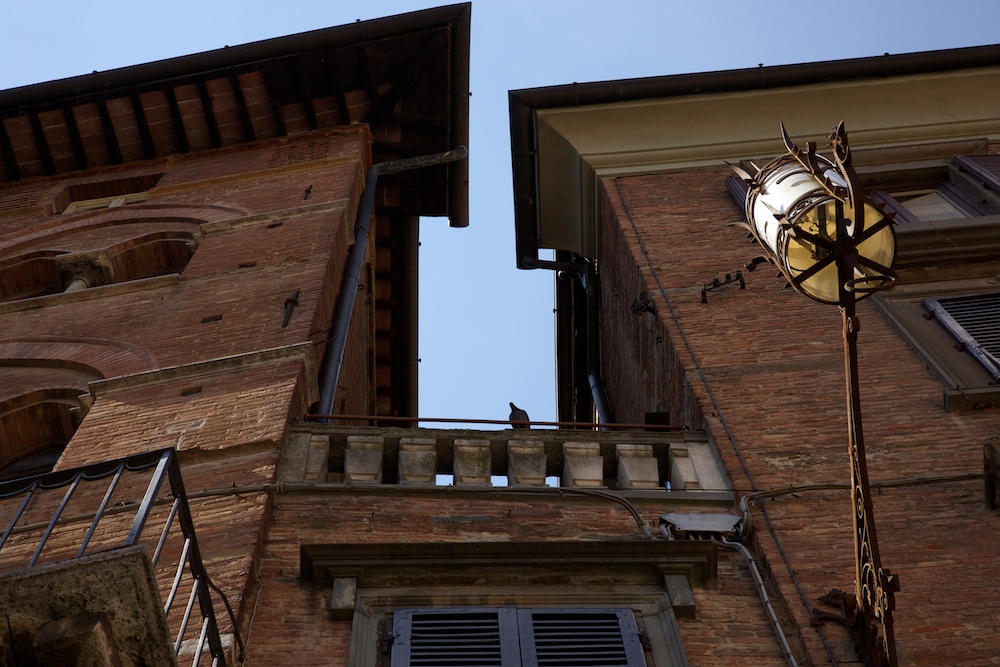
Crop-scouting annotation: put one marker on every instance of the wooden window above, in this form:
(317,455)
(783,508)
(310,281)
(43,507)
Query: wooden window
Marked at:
(509,637)
(106,194)
(105,202)
(969,188)
(927,204)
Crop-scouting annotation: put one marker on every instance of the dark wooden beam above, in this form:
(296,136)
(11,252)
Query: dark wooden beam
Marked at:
(367,74)
(279,117)
(110,138)
(209,113)
(75,139)
(13,169)
(338,88)
(241,103)
(382,105)
(42,144)
(305,94)
(148,146)
(175,115)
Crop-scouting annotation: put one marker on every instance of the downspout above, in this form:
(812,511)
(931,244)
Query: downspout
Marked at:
(584,272)
(588,278)
(337,342)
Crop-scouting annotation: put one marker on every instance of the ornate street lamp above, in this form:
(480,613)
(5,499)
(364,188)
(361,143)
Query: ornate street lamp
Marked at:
(833,245)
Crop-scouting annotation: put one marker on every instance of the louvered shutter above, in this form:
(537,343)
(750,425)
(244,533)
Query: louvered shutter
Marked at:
(974,321)
(458,637)
(508,637)
(579,638)
(984,167)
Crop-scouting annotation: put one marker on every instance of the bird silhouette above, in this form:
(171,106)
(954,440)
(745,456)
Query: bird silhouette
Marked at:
(518,415)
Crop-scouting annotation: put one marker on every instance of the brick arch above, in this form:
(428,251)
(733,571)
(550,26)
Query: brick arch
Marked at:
(41,384)
(30,274)
(105,358)
(41,235)
(153,254)
(37,422)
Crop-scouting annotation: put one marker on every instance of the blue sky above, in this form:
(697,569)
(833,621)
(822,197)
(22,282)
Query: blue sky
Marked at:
(486,334)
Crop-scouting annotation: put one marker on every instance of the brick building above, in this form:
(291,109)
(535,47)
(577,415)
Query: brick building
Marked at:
(175,266)
(627,182)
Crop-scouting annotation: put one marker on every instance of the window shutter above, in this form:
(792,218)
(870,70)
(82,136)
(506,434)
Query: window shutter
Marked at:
(985,167)
(974,321)
(891,206)
(481,637)
(579,638)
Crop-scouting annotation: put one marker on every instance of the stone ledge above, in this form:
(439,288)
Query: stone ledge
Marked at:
(117,584)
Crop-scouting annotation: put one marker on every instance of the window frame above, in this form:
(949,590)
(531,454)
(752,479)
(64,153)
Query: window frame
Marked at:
(950,312)
(967,384)
(652,579)
(517,636)
(951,194)
(97,203)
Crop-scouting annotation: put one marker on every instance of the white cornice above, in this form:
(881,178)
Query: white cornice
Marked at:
(578,145)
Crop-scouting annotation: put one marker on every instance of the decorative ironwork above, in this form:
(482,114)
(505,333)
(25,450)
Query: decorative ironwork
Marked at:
(875,587)
(805,220)
(162,466)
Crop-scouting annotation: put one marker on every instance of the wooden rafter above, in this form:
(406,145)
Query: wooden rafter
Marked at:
(75,140)
(209,113)
(333,71)
(241,103)
(279,116)
(110,138)
(305,94)
(148,146)
(42,144)
(382,105)
(175,115)
(13,168)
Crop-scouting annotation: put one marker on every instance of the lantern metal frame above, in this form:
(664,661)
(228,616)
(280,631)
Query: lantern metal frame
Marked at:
(827,185)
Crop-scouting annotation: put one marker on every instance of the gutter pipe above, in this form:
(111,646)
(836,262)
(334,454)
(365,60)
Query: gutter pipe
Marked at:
(588,279)
(337,340)
(585,273)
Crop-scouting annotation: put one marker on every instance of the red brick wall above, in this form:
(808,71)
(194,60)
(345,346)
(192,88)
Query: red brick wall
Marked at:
(241,274)
(261,240)
(291,624)
(771,387)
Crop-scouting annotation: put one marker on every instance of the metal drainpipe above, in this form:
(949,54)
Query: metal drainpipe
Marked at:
(597,389)
(333,359)
(588,280)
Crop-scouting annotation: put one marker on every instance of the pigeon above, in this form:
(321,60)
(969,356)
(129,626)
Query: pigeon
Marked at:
(518,415)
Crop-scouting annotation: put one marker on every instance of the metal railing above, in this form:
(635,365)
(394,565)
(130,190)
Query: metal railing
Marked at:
(48,527)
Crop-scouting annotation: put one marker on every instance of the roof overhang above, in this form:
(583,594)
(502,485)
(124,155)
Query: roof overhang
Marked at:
(406,76)
(565,138)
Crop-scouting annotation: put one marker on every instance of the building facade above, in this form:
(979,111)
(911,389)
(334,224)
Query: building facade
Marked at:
(204,460)
(627,181)
(185,479)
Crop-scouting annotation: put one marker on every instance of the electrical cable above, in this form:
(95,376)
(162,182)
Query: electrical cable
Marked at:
(762,591)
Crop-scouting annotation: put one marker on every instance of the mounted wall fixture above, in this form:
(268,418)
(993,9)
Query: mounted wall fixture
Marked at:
(792,205)
(833,245)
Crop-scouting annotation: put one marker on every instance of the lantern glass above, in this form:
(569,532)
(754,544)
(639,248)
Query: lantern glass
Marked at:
(795,218)
(801,253)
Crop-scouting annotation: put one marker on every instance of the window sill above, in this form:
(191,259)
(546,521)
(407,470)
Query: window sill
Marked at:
(972,398)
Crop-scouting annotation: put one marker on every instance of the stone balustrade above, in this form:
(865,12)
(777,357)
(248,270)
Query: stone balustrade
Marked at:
(634,461)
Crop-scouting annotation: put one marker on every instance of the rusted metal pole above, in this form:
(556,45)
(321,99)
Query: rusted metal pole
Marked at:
(874,586)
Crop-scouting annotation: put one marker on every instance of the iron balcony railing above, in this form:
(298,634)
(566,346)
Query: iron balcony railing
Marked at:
(132,508)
